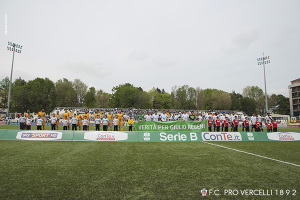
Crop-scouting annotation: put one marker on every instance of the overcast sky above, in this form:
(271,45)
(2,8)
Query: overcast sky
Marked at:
(154,43)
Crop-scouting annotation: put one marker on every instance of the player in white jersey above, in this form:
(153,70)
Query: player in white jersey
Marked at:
(174,117)
(268,117)
(39,123)
(74,121)
(105,121)
(164,117)
(53,121)
(22,122)
(185,116)
(148,117)
(207,115)
(155,116)
(65,122)
(253,122)
(200,117)
(28,122)
(85,123)
(98,123)
(116,122)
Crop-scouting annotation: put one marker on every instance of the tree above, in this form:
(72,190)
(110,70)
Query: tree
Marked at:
(191,98)
(249,105)
(261,105)
(4,87)
(160,100)
(253,92)
(183,97)
(200,98)
(103,99)
(283,105)
(156,98)
(40,94)
(273,101)
(126,95)
(208,99)
(221,100)
(65,93)
(166,100)
(236,101)
(90,98)
(80,90)
(19,97)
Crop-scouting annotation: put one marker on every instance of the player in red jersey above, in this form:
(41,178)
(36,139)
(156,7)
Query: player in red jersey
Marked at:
(274,124)
(247,124)
(226,124)
(257,126)
(269,126)
(218,124)
(209,121)
(235,124)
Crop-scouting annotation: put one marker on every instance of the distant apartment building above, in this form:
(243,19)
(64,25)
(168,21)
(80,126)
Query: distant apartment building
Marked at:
(294,94)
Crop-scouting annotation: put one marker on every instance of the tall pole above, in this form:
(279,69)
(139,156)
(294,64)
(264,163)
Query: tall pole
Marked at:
(18,49)
(263,61)
(9,92)
(266,96)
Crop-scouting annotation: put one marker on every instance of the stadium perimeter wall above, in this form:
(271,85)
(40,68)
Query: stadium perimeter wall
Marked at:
(142,136)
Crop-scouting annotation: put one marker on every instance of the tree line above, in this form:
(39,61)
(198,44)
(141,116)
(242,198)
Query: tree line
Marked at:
(44,93)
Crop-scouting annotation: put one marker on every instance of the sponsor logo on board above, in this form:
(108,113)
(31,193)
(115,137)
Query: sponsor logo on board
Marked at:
(146,136)
(284,136)
(39,135)
(221,136)
(105,136)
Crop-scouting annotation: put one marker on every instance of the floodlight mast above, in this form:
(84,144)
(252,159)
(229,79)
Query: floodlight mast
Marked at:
(14,48)
(263,61)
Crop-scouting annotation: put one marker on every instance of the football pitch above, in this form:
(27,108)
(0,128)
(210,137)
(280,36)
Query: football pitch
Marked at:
(154,170)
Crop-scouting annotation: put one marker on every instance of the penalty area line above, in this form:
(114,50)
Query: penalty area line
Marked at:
(288,163)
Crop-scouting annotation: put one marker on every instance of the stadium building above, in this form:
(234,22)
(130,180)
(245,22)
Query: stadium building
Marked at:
(294,94)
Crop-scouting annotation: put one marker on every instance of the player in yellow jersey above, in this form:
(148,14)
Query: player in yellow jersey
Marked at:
(87,116)
(66,116)
(120,122)
(130,123)
(57,121)
(79,117)
(110,118)
(43,116)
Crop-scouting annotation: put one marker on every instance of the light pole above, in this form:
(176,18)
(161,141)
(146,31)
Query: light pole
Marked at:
(18,49)
(263,61)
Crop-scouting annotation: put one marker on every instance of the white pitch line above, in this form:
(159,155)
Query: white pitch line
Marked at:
(253,154)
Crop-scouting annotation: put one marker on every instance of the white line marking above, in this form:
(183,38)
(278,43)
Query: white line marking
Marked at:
(253,154)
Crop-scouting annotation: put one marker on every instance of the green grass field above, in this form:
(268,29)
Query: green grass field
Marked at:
(137,170)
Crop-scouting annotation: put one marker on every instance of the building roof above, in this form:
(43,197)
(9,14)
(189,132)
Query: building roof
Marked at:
(295,81)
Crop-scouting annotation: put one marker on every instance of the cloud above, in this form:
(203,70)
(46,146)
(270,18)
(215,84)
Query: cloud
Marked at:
(163,62)
(138,56)
(245,38)
(241,41)
(87,69)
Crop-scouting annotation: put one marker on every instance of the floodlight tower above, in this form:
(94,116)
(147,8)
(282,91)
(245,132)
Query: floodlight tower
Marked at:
(263,61)
(18,49)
